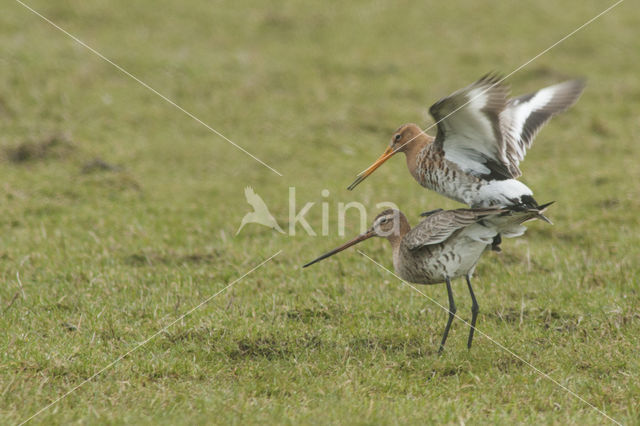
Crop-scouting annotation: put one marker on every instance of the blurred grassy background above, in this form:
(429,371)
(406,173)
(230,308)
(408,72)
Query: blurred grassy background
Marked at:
(119,212)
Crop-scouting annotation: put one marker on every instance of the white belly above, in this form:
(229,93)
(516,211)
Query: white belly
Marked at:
(501,193)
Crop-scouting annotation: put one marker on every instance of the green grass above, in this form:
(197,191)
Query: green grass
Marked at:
(108,256)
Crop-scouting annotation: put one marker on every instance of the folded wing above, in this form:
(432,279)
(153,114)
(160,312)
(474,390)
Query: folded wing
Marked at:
(440,226)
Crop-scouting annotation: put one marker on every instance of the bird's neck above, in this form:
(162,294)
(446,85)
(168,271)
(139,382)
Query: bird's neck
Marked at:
(412,151)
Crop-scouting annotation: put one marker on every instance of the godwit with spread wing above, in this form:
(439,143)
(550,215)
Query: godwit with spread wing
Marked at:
(482,136)
(445,245)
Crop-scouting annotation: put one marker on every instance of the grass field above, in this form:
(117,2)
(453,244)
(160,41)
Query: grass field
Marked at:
(118,214)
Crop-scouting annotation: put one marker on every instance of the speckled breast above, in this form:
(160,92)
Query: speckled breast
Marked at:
(436,173)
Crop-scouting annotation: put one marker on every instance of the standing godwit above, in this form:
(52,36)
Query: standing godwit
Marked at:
(445,245)
(482,137)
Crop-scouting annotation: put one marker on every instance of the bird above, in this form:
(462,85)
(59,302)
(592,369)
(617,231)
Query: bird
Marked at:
(481,138)
(447,244)
(260,213)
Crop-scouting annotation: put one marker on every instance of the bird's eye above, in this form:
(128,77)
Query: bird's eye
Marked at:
(384,220)
(397,138)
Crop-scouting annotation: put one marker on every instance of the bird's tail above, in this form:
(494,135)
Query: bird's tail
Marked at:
(510,222)
(518,215)
(537,213)
(541,209)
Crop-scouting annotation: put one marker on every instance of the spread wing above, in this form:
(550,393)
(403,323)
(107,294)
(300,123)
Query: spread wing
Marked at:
(525,115)
(487,135)
(469,130)
(440,226)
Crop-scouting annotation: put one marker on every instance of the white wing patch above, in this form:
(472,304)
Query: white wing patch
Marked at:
(468,125)
(513,118)
(469,160)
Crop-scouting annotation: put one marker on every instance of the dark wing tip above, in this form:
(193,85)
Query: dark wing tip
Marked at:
(570,91)
(492,77)
(492,81)
(435,109)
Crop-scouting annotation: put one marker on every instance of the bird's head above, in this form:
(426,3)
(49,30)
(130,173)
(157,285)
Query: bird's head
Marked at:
(404,136)
(400,142)
(390,224)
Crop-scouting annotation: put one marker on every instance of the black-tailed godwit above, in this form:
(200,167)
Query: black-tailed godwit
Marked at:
(481,138)
(447,244)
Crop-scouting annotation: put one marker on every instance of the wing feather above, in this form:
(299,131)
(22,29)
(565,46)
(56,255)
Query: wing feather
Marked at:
(440,226)
(469,130)
(525,115)
(487,135)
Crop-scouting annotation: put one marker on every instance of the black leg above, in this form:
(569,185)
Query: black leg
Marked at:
(474,311)
(452,312)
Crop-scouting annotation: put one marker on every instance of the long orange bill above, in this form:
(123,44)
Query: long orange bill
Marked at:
(353,242)
(388,153)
